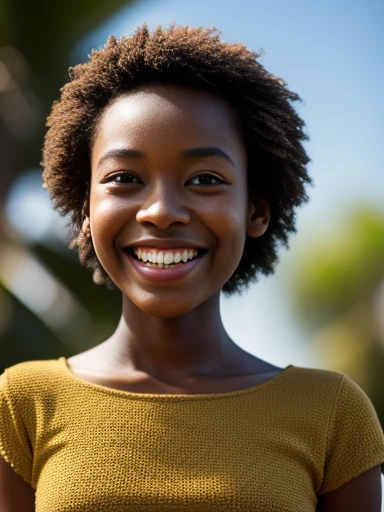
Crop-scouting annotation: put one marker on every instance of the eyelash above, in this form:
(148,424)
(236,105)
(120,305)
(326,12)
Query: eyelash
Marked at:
(114,178)
(208,175)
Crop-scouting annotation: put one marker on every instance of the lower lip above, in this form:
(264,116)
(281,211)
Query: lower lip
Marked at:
(164,274)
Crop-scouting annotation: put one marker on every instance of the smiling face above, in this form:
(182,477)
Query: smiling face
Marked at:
(169,182)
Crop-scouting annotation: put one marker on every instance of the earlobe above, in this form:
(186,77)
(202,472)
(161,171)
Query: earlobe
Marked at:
(86,228)
(258,217)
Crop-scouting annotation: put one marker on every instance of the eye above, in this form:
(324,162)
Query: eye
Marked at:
(123,178)
(206,179)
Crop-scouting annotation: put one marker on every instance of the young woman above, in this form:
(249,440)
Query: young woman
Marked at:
(180,161)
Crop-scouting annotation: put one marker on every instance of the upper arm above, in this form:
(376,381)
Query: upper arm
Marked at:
(361,494)
(16,495)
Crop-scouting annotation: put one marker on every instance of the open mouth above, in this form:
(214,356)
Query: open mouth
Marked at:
(165,258)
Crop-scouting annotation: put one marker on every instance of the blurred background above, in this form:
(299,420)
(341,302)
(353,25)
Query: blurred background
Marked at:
(324,307)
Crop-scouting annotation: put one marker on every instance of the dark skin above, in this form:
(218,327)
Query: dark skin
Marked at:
(151,178)
(170,338)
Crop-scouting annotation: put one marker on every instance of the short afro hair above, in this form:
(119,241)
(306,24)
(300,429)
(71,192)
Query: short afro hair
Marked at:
(194,57)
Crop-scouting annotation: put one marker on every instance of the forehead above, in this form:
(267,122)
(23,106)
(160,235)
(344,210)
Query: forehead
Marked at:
(168,116)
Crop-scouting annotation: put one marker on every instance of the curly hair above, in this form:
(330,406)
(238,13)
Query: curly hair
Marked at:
(197,58)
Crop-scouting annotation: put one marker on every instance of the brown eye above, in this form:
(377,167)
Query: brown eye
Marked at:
(206,179)
(123,178)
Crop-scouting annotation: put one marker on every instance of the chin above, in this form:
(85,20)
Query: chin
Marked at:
(166,310)
(165,305)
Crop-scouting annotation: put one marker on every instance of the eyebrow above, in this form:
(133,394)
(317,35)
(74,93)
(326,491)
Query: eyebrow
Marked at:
(188,153)
(207,151)
(120,153)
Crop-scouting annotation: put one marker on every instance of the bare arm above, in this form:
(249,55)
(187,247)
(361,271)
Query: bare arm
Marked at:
(15,494)
(361,494)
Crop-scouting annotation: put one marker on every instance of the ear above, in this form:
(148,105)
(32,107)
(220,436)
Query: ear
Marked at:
(259,215)
(86,227)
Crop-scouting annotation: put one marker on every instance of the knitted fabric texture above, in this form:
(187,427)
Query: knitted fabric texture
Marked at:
(274,447)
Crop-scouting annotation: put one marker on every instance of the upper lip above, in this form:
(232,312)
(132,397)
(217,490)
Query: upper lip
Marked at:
(165,243)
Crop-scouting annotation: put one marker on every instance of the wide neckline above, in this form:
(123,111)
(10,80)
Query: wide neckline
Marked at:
(172,396)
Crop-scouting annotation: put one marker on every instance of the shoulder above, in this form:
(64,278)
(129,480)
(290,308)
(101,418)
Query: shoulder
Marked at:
(315,374)
(25,369)
(29,378)
(334,386)
(314,383)
(336,394)
(24,384)
(335,403)
(353,440)
(20,390)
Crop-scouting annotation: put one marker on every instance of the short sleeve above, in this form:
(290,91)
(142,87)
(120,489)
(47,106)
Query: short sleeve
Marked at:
(355,440)
(14,443)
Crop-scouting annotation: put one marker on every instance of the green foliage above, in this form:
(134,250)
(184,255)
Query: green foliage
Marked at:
(340,269)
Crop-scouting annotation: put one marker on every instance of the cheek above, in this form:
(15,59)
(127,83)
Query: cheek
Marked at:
(106,210)
(235,238)
(227,218)
(107,219)
(237,213)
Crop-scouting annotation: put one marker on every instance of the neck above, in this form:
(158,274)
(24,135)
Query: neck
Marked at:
(195,343)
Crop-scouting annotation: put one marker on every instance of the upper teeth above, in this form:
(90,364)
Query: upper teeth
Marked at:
(165,257)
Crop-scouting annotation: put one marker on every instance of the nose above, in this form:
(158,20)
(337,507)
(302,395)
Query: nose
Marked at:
(163,207)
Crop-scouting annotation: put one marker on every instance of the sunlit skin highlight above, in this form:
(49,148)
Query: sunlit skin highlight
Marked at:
(169,164)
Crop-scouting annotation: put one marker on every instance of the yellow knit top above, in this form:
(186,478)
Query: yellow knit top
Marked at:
(277,446)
